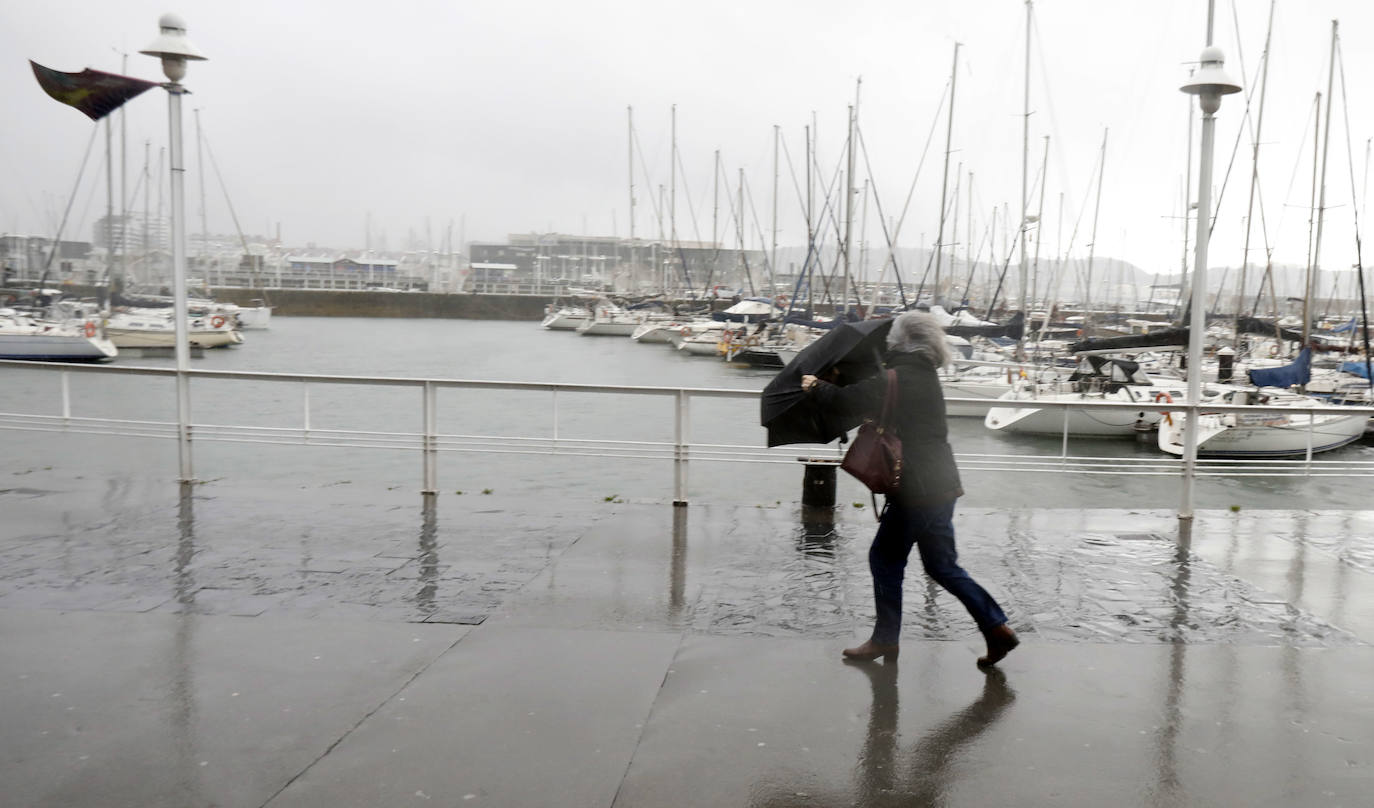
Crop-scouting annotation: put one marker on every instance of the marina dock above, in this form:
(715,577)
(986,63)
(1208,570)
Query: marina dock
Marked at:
(241,644)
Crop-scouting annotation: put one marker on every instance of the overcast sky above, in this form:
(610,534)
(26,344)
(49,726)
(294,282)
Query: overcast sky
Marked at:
(510,116)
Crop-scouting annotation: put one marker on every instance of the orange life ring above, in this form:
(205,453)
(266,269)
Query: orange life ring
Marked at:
(90,329)
(1273,351)
(1165,397)
(217,321)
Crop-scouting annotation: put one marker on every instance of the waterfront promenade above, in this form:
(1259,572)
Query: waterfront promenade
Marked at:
(333,644)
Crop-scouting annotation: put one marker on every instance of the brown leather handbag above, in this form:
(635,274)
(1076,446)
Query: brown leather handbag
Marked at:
(875,456)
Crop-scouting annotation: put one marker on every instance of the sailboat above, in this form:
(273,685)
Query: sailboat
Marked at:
(1099,379)
(27,336)
(1269,434)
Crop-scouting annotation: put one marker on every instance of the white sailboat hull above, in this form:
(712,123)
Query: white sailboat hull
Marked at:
(56,347)
(565,320)
(1270,434)
(254,318)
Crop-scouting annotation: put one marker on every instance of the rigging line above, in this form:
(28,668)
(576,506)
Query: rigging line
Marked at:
(227,201)
(1359,257)
(758,228)
(792,172)
(90,199)
(1059,140)
(920,164)
(696,231)
(1226,179)
(649,182)
(1297,164)
(882,216)
(738,218)
(57,239)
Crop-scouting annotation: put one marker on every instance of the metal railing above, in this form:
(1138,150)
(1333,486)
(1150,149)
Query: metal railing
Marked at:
(428,441)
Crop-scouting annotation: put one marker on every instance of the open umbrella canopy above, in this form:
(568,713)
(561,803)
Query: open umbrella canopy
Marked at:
(849,353)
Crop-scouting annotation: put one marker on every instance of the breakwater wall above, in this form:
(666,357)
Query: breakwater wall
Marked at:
(324,303)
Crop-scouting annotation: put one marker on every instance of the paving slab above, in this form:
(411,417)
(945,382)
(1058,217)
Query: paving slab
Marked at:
(786,723)
(511,717)
(151,710)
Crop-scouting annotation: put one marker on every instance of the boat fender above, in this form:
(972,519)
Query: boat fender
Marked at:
(217,321)
(90,329)
(1166,398)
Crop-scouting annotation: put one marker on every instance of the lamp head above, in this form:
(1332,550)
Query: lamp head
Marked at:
(172,47)
(1210,82)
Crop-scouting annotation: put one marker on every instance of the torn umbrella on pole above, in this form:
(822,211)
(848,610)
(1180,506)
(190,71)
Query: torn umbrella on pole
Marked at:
(93,92)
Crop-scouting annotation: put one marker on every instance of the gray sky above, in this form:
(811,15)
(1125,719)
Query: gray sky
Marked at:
(512,114)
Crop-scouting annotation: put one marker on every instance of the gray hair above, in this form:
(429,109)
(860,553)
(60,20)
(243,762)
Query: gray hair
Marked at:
(919,333)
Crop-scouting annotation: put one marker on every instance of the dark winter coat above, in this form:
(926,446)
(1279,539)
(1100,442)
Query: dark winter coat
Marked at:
(929,474)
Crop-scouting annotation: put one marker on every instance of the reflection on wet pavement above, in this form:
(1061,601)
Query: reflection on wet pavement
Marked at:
(1074,576)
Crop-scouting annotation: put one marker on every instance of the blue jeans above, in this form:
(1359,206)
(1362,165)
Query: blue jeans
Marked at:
(931,530)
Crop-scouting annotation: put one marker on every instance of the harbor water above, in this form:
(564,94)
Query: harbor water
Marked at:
(523,352)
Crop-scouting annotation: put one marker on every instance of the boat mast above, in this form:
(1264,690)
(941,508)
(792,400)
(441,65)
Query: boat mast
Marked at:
(147,183)
(1187,208)
(630,134)
(109,208)
(954,233)
(1326,143)
(1254,173)
(672,197)
(123,177)
(773,256)
(1039,230)
(944,180)
(1025,161)
(204,228)
(810,230)
(849,205)
(1092,247)
(1311,218)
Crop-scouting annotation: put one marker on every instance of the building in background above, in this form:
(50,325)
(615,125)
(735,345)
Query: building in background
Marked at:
(550,264)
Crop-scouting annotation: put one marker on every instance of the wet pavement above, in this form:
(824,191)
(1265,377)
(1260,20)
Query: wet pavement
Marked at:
(242,644)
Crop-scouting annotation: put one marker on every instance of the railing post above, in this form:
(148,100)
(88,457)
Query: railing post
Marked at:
(1064,438)
(430,448)
(305,402)
(185,467)
(1311,437)
(66,396)
(680,450)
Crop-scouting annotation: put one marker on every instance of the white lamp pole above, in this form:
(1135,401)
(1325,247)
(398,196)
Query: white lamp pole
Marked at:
(1209,84)
(174,49)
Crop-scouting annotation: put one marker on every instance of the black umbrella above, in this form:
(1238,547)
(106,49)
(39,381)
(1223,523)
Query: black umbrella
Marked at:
(850,353)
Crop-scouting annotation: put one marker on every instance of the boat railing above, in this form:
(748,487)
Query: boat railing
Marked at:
(681,450)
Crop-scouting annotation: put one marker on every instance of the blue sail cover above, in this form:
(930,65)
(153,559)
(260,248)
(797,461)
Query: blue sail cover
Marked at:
(1357,368)
(1300,372)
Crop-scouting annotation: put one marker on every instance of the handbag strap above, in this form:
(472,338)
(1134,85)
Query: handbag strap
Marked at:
(889,399)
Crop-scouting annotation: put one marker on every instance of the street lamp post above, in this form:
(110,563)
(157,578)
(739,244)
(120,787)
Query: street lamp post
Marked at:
(1209,84)
(175,50)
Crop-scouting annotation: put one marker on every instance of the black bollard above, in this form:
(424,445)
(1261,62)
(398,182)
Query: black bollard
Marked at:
(1226,363)
(818,484)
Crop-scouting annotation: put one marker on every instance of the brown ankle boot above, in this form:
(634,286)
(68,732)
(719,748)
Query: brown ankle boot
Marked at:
(1000,642)
(871,650)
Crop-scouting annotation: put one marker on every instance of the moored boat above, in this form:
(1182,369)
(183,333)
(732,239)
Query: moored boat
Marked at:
(23,336)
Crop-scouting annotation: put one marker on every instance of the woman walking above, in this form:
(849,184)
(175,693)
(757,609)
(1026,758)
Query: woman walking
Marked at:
(921,514)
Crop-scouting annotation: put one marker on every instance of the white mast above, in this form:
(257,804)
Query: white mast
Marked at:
(944,180)
(1025,160)
(1326,143)
(1254,173)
